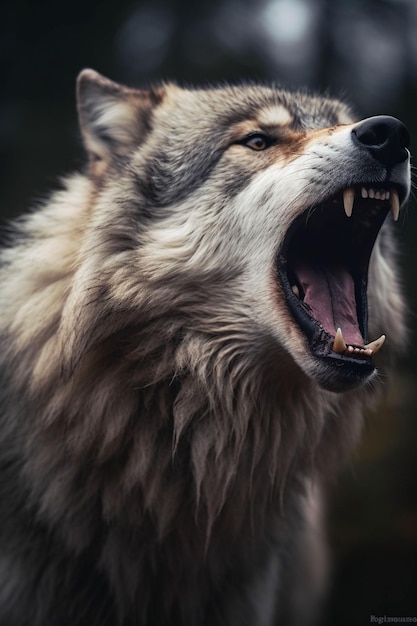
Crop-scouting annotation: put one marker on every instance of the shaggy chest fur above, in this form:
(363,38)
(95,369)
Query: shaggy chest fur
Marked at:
(171,356)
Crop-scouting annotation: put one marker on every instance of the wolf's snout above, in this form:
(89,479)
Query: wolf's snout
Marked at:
(385,137)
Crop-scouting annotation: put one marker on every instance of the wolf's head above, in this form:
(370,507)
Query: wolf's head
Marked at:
(254,211)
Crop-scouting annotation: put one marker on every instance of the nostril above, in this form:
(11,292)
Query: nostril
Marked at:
(385,137)
(374,135)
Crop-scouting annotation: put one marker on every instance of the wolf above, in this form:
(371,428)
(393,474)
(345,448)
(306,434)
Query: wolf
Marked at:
(191,330)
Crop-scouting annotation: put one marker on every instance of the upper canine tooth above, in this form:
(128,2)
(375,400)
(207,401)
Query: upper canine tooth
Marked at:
(375,345)
(339,344)
(395,204)
(348,199)
(364,192)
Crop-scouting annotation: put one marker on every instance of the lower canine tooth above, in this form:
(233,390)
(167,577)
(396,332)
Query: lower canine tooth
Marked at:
(395,204)
(339,344)
(348,199)
(295,290)
(374,346)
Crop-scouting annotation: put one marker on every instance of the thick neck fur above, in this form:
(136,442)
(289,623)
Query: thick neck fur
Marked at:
(172,424)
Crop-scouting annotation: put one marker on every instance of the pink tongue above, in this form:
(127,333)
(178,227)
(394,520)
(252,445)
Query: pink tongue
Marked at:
(330,297)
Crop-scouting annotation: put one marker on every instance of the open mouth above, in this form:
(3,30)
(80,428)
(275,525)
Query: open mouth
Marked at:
(323,267)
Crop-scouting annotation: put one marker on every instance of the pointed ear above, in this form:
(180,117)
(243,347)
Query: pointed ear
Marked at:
(113,119)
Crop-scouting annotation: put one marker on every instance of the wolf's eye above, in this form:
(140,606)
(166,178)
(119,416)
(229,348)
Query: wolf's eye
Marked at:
(257,141)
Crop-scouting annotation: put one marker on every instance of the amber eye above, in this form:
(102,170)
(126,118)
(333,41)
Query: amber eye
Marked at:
(257,141)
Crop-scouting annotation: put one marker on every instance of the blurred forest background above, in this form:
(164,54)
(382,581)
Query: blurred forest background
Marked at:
(362,50)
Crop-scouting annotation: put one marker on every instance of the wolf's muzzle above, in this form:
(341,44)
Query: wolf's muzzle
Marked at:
(385,137)
(324,260)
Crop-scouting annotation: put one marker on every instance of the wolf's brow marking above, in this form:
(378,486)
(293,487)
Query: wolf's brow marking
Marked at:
(276,115)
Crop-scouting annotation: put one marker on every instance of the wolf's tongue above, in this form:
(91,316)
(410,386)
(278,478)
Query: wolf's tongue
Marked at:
(329,294)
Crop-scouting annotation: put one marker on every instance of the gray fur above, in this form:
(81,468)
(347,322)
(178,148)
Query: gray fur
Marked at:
(161,429)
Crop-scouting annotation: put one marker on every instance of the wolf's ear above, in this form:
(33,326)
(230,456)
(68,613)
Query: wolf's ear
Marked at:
(113,118)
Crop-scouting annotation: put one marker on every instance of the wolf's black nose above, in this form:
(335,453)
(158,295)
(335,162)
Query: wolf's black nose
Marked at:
(385,137)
